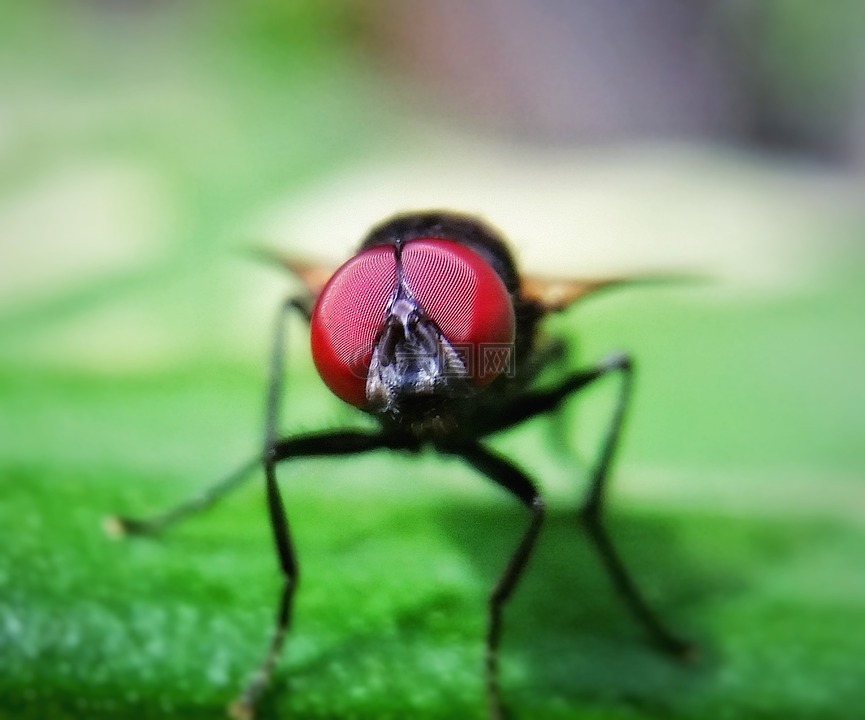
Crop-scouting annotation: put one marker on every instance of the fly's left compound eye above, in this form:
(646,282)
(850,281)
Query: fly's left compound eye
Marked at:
(453,285)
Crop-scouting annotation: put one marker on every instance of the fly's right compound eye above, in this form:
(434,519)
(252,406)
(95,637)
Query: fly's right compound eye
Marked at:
(347,318)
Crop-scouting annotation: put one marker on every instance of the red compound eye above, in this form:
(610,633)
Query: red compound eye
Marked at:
(459,291)
(463,296)
(347,318)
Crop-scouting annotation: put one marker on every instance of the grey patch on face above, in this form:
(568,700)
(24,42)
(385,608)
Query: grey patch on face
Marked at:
(412,360)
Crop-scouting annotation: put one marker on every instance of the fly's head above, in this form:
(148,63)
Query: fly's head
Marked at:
(404,329)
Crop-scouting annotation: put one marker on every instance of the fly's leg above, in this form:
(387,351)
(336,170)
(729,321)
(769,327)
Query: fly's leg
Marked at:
(329,444)
(324,444)
(591,512)
(592,515)
(121,525)
(243,708)
(516,482)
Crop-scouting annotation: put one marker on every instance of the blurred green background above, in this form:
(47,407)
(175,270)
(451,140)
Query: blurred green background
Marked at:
(144,146)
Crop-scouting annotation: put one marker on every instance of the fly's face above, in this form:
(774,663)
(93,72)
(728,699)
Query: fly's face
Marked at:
(412,360)
(400,328)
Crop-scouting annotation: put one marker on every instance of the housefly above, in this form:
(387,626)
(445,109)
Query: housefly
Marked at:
(430,329)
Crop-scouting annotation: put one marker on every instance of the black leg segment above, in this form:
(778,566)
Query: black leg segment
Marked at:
(592,515)
(322,445)
(516,482)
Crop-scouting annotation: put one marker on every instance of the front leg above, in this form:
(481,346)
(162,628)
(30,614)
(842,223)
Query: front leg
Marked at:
(275,450)
(515,481)
(327,444)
